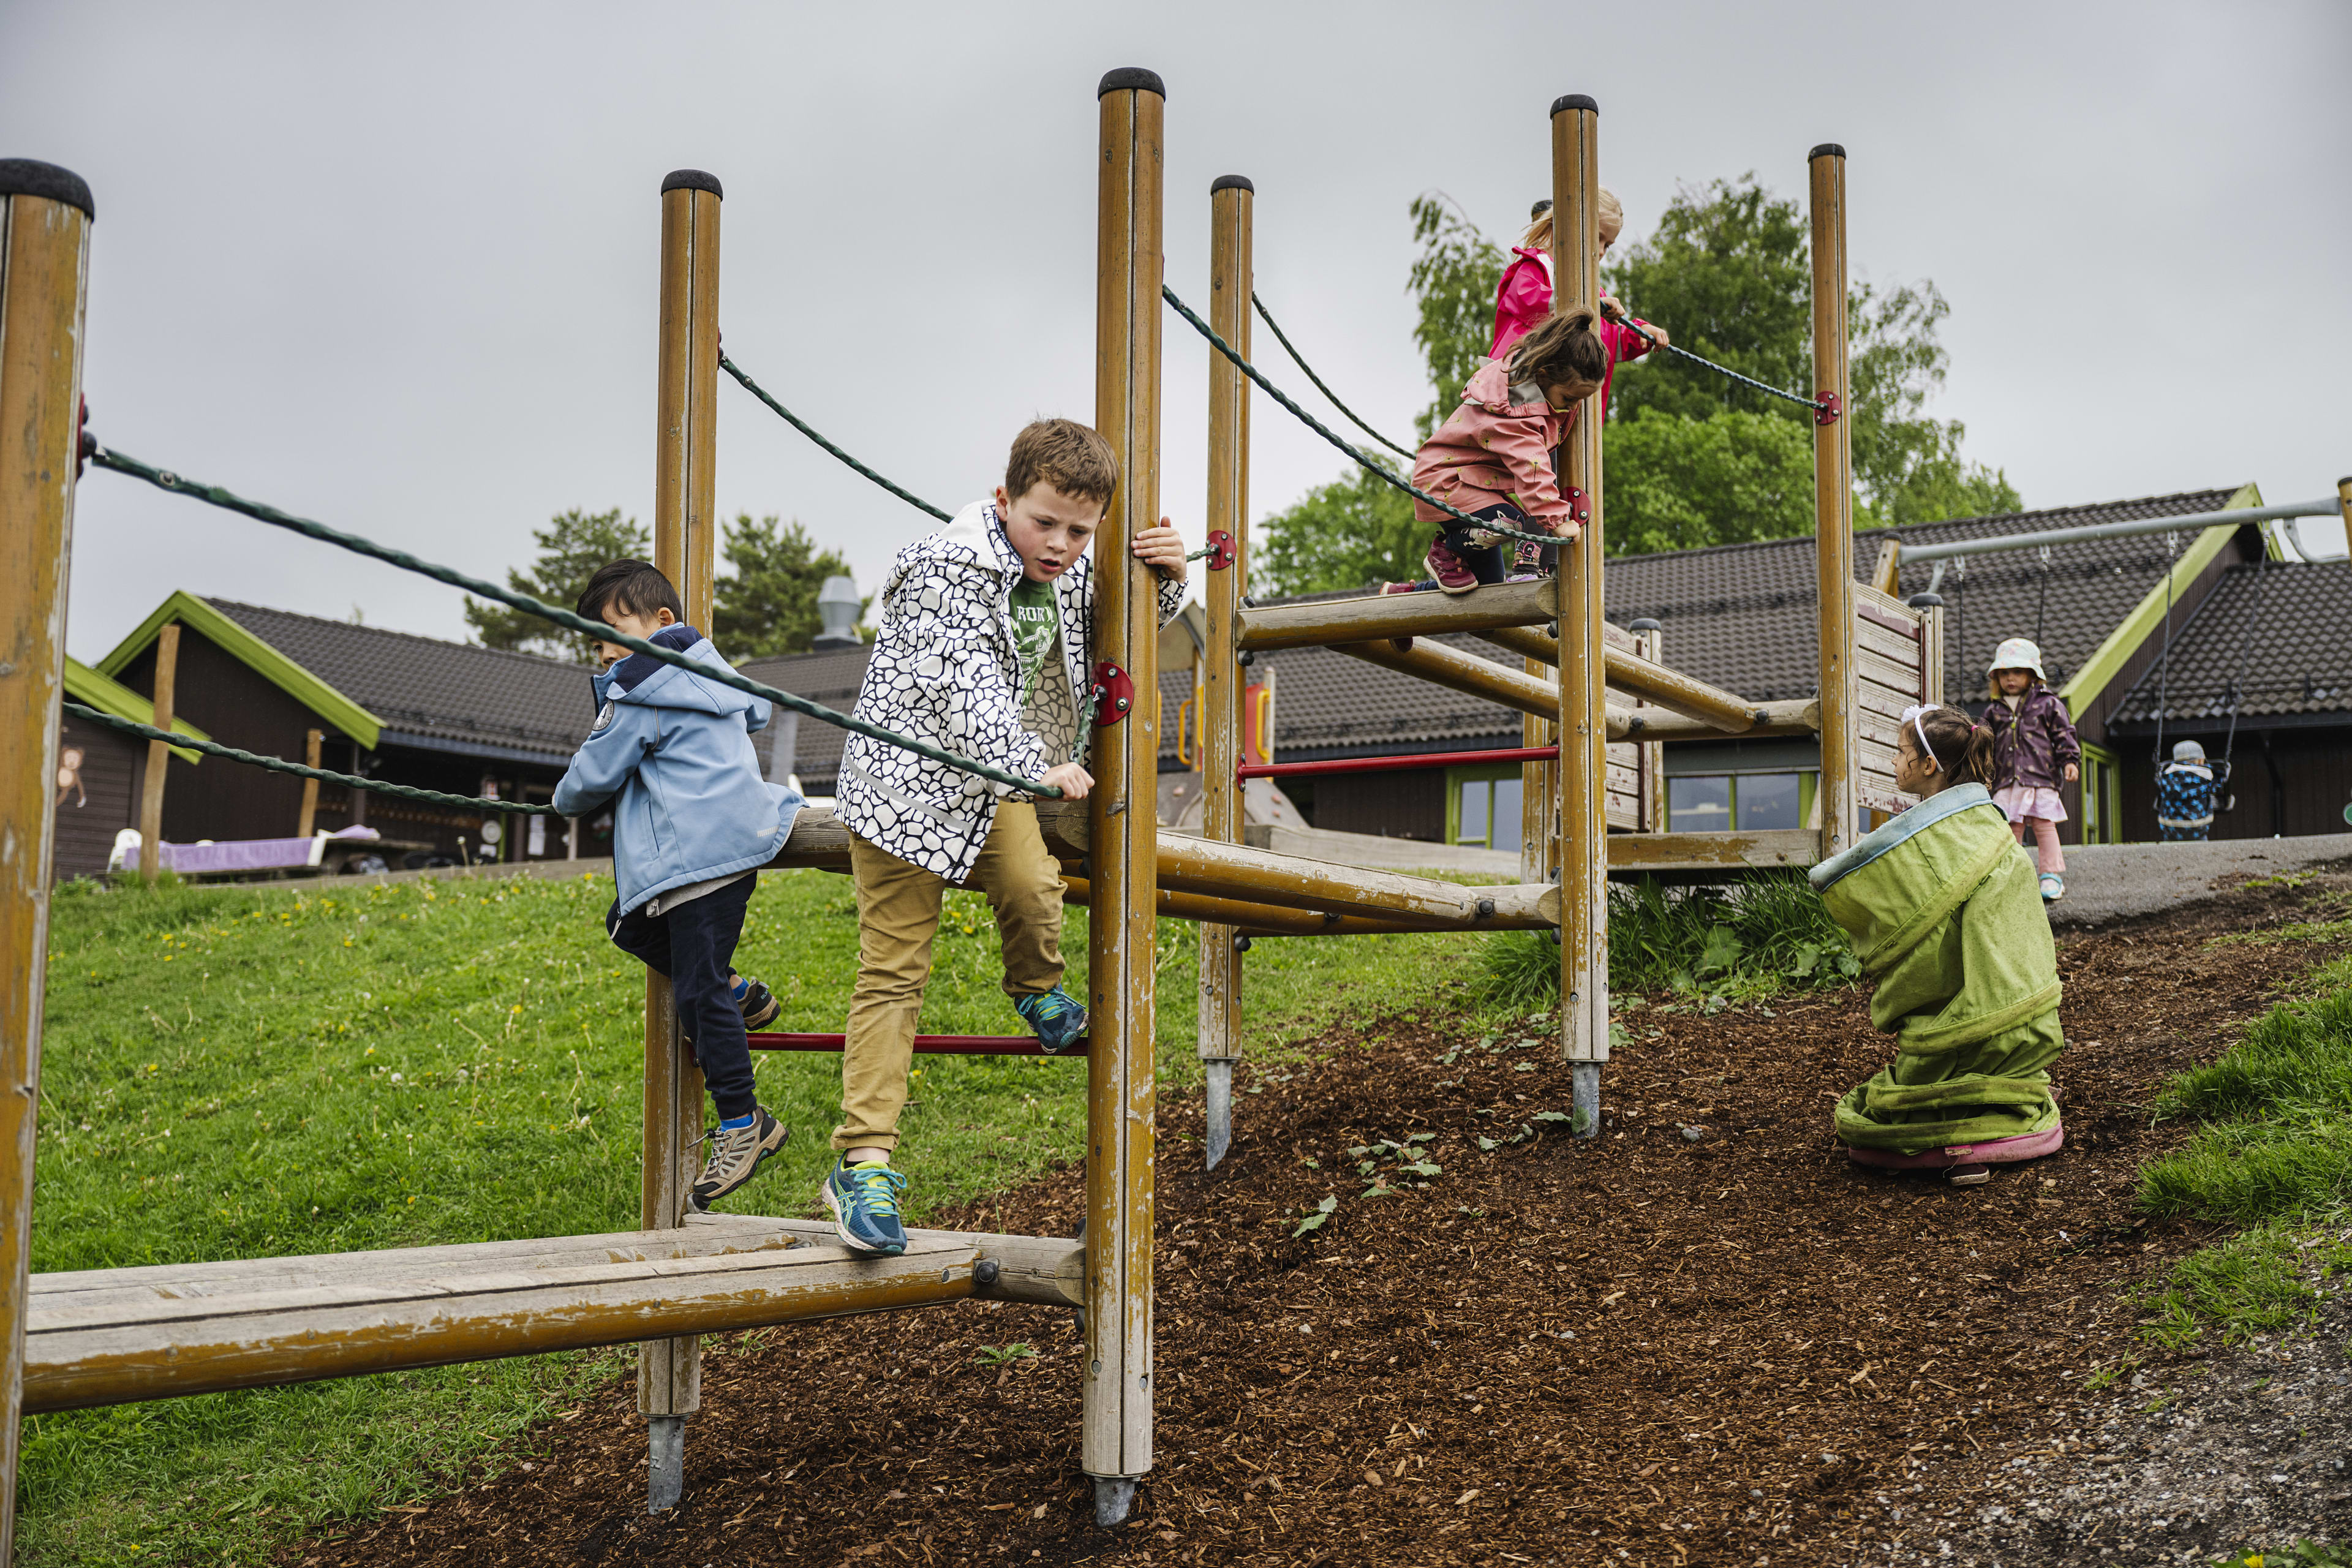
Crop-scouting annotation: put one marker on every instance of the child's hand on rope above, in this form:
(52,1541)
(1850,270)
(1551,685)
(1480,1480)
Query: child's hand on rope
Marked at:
(1162,549)
(1072,780)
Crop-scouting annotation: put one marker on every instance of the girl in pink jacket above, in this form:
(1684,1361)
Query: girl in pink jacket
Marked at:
(1492,457)
(1524,297)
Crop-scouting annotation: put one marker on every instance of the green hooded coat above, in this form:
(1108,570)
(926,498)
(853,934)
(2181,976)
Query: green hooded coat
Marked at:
(1945,910)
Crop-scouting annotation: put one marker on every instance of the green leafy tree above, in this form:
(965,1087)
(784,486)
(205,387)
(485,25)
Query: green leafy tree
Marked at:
(1453,281)
(1675,482)
(571,548)
(1338,537)
(764,601)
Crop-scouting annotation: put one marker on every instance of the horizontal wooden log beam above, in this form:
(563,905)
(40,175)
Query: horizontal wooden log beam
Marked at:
(1257,919)
(110,1336)
(1796,716)
(1722,711)
(1441,665)
(1378,617)
(1260,875)
(1661,852)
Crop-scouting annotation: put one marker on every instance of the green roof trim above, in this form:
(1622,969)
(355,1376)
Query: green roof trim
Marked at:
(2146,618)
(91,690)
(264,660)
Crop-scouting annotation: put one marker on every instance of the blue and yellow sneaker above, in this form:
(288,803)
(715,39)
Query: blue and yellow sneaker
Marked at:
(1055,1018)
(865,1204)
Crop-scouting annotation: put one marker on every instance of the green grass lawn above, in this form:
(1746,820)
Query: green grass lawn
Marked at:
(236,1072)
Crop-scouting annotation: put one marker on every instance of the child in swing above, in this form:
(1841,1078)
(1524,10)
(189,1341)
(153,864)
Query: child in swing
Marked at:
(2035,755)
(1492,457)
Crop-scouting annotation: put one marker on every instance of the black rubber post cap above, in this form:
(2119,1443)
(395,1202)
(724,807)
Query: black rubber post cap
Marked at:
(1573,101)
(1826,150)
(2347,479)
(1132,76)
(1645,624)
(1926,601)
(1231,182)
(692,180)
(31,177)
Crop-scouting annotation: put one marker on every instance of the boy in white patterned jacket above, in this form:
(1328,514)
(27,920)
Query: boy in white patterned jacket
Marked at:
(985,650)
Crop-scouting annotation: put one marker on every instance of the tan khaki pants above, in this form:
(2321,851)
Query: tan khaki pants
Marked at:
(897,915)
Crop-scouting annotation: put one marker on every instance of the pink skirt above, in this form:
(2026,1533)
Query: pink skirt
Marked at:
(2021,802)
(1998,1151)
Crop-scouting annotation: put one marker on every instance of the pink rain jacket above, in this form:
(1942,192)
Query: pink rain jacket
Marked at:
(1496,447)
(1525,298)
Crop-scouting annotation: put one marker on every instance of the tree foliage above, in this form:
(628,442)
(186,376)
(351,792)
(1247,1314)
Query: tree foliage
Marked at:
(571,548)
(764,601)
(1693,459)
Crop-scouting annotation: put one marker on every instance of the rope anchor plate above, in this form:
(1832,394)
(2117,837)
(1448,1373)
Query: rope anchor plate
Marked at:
(1221,550)
(1826,411)
(1114,694)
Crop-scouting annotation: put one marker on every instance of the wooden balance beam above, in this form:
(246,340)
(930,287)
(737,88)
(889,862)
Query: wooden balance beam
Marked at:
(108,1336)
(1376,618)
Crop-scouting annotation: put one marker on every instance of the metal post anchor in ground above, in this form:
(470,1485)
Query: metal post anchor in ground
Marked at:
(1217,1105)
(666,1462)
(686,460)
(1114,1499)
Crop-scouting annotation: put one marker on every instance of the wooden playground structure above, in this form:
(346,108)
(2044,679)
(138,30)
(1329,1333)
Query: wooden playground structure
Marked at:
(1596,701)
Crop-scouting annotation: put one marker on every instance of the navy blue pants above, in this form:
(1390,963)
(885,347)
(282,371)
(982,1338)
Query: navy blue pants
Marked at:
(694,945)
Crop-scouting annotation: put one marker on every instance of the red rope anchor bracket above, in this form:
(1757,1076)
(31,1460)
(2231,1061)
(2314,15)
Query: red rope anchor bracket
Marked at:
(1577,510)
(1827,413)
(1221,550)
(1115,694)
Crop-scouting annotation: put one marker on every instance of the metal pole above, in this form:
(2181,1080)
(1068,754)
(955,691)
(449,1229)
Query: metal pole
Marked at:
(1231,200)
(685,455)
(1584,658)
(1833,501)
(2322,506)
(45,217)
(1116,1448)
(159,755)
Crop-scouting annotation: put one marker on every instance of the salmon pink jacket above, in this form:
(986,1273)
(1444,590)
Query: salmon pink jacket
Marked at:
(1524,299)
(1497,448)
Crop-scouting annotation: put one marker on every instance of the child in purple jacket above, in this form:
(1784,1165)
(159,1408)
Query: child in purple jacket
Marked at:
(2034,752)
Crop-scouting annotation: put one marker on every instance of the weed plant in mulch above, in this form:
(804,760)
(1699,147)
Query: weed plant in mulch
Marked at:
(253,1072)
(1411,1320)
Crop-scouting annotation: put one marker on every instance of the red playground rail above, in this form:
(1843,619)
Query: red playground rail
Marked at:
(1384,764)
(925,1045)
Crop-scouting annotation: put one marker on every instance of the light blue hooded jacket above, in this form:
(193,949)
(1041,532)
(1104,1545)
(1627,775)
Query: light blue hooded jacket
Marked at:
(672,751)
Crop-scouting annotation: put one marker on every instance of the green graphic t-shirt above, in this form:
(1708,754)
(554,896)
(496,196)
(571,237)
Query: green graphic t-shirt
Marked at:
(1036,634)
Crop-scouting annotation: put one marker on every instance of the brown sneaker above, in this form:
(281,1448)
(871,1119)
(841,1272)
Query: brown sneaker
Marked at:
(736,1157)
(759,1004)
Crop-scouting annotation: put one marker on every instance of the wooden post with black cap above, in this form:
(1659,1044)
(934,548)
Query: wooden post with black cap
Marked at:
(686,460)
(1833,503)
(1583,657)
(1116,1417)
(1231,201)
(44,219)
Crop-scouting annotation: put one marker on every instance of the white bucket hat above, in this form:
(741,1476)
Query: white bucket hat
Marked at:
(2188,752)
(2017,653)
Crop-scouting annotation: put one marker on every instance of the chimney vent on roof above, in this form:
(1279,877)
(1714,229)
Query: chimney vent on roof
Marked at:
(838,607)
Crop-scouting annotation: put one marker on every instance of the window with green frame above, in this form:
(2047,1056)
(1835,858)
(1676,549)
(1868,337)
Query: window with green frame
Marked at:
(2103,814)
(1482,806)
(1751,803)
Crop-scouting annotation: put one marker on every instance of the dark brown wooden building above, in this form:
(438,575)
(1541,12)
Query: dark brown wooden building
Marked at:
(101,772)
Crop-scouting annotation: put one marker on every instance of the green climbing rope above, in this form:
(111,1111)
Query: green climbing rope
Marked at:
(808,430)
(165,479)
(1816,405)
(1407,486)
(1299,360)
(280,765)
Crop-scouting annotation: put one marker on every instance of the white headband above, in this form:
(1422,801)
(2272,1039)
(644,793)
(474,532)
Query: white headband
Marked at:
(1911,717)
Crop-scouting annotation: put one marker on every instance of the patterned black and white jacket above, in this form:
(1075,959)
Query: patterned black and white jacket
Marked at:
(944,669)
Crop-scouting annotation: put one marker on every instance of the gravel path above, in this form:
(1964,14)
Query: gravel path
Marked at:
(2108,883)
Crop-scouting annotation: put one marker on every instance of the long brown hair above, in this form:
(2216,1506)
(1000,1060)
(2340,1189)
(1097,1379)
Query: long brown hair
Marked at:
(1957,745)
(1560,349)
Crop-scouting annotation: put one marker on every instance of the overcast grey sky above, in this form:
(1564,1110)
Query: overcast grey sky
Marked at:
(395,267)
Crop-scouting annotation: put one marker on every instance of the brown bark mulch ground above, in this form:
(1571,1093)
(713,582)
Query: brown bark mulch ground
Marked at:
(1702,1338)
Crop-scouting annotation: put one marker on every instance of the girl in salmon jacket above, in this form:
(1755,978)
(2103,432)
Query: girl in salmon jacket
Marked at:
(2035,755)
(1492,457)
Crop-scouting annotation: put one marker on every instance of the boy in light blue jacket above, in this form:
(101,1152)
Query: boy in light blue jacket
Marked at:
(692,821)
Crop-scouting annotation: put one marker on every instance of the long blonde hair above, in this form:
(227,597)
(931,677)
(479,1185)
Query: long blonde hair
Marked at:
(1612,222)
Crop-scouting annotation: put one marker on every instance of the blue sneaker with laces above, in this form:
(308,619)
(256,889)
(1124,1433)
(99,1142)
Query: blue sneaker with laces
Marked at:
(865,1203)
(1055,1018)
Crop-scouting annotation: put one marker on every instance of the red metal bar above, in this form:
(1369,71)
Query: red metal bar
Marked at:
(1384,764)
(925,1045)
